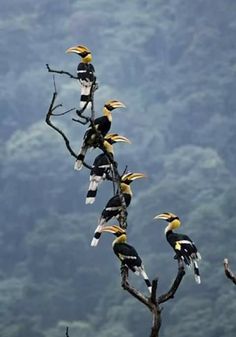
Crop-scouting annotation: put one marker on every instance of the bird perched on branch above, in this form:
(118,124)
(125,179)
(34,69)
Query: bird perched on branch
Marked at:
(115,207)
(85,73)
(183,246)
(97,128)
(126,253)
(102,165)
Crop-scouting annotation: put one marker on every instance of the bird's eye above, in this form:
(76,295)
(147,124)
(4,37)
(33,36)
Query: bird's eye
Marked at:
(85,53)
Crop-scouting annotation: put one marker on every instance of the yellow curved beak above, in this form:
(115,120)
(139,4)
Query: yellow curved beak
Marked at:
(165,216)
(113,229)
(113,104)
(78,49)
(117,138)
(133,176)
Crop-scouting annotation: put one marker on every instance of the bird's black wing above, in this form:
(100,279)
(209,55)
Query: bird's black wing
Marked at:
(184,247)
(128,255)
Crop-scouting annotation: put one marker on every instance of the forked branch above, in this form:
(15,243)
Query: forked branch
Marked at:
(228,271)
(153,301)
(48,121)
(115,177)
(50,113)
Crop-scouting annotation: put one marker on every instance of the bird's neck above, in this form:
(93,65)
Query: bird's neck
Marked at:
(107,113)
(121,239)
(168,229)
(126,189)
(109,148)
(87,59)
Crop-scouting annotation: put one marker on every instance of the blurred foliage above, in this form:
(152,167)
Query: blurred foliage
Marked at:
(173,64)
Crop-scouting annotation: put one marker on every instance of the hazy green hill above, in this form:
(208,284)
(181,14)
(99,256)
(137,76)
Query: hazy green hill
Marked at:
(173,64)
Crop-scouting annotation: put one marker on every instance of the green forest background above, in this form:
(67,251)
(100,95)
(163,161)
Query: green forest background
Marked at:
(173,63)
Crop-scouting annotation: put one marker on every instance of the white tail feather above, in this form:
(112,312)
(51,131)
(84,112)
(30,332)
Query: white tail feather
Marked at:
(197,279)
(199,256)
(78,165)
(89,201)
(95,240)
(146,279)
(85,91)
(94,182)
(82,104)
(79,162)
(85,87)
(196,272)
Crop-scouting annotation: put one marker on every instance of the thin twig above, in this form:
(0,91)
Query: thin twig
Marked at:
(228,271)
(60,72)
(48,121)
(62,113)
(81,122)
(67,331)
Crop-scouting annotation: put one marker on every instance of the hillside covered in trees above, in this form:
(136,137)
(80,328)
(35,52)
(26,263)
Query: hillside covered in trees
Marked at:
(173,64)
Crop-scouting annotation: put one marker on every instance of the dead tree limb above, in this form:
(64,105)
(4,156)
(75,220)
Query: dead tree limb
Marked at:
(49,114)
(170,294)
(48,121)
(228,271)
(116,177)
(60,72)
(153,302)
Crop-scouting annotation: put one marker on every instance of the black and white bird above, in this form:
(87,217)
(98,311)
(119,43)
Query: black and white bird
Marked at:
(100,127)
(127,254)
(183,246)
(114,206)
(85,74)
(102,165)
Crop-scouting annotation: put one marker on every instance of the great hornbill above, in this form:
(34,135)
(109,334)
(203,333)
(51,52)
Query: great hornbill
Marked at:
(85,73)
(99,127)
(102,164)
(183,246)
(114,206)
(126,253)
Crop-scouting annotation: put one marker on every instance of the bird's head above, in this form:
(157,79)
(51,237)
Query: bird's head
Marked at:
(83,51)
(112,138)
(120,233)
(116,230)
(111,105)
(127,179)
(171,218)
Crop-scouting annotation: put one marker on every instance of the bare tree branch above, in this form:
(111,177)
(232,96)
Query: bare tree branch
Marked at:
(48,121)
(153,301)
(170,294)
(62,113)
(60,72)
(116,178)
(228,271)
(134,292)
